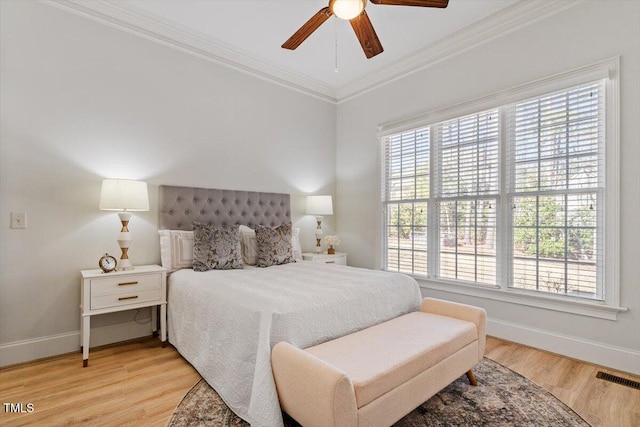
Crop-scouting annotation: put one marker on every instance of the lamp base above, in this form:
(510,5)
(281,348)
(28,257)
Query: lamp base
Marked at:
(319,235)
(124,241)
(124,265)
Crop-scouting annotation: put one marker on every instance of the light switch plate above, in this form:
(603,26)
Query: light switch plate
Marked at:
(18,220)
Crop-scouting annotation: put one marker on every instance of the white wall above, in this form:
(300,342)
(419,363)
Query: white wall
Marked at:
(583,34)
(81,101)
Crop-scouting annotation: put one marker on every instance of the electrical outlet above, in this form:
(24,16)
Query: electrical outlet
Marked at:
(18,220)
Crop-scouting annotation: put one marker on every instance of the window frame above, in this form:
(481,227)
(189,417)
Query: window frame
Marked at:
(609,307)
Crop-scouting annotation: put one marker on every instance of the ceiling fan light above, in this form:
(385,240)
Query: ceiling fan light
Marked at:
(347,9)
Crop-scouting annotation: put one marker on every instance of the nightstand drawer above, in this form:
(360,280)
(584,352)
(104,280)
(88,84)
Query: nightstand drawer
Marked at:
(339,258)
(124,284)
(124,299)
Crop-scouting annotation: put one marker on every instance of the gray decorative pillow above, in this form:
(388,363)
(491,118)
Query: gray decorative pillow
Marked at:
(216,247)
(274,245)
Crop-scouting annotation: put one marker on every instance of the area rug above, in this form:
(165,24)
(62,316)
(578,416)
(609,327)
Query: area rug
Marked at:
(502,398)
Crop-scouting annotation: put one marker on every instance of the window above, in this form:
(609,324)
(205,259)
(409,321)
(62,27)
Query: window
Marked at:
(406,184)
(556,181)
(510,198)
(467,188)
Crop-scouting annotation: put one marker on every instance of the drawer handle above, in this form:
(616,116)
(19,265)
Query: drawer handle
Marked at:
(330,262)
(127,283)
(125,298)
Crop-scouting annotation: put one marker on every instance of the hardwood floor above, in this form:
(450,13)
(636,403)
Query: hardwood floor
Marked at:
(599,402)
(139,383)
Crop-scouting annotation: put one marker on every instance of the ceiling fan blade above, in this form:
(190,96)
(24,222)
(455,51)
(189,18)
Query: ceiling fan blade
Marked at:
(423,3)
(308,28)
(366,35)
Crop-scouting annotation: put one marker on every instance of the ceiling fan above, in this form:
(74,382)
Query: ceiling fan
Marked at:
(353,11)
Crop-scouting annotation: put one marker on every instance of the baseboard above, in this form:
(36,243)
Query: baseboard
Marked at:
(622,359)
(53,345)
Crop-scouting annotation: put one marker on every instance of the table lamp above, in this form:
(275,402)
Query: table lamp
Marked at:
(319,206)
(126,196)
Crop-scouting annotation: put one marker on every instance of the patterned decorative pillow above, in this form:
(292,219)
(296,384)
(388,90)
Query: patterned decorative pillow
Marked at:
(216,247)
(274,245)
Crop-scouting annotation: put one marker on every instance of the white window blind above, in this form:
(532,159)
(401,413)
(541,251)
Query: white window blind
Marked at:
(556,182)
(405,194)
(467,185)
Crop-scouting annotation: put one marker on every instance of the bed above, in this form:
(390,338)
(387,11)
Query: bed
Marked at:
(225,322)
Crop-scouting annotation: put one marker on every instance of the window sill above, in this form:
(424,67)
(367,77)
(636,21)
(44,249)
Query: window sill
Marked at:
(549,302)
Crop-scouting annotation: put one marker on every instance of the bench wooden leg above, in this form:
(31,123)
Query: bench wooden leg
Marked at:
(472,378)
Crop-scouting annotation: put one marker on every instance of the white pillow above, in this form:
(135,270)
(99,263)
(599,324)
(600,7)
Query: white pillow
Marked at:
(296,249)
(250,245)
(176,249)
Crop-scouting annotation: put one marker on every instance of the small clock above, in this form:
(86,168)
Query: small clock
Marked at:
(107,263)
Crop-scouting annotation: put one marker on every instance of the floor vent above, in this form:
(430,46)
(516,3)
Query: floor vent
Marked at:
(618,380)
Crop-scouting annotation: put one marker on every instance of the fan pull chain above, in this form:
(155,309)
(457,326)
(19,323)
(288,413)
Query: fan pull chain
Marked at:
(336,38)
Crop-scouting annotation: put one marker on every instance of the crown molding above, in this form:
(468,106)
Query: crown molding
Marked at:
(168,33)
(505,21)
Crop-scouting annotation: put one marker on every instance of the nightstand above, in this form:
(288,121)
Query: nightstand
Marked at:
(100,293)
(339,258)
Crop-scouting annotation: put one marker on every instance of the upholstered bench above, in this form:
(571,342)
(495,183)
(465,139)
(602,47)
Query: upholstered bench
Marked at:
(376,376)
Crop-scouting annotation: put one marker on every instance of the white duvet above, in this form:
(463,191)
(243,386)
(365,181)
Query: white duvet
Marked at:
(225,322)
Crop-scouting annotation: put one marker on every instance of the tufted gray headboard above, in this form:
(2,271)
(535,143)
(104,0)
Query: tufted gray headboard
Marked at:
(180,206)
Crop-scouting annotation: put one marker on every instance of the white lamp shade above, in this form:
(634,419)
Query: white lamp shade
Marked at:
(319,205)
(124,195)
